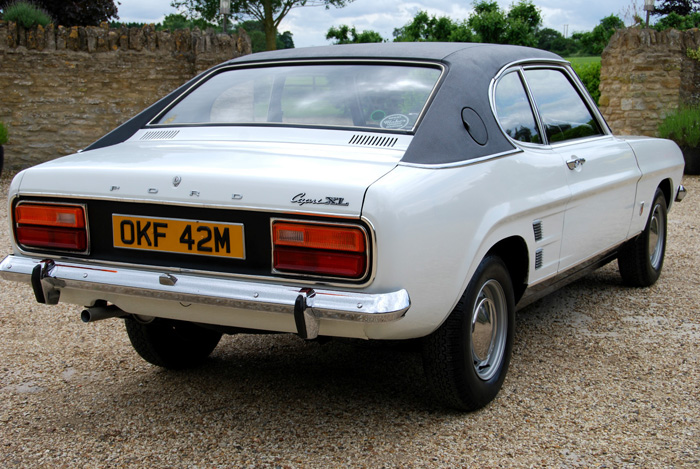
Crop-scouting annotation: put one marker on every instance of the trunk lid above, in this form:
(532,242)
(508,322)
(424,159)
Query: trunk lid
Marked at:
(211,168)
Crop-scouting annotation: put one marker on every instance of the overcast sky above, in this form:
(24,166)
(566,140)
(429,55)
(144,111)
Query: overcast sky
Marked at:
(310,24)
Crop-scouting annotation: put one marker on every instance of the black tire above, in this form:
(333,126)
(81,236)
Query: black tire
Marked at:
(640,259)
(171,344)
(466,360)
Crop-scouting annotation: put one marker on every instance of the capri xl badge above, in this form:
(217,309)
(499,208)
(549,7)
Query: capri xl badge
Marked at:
(301,199)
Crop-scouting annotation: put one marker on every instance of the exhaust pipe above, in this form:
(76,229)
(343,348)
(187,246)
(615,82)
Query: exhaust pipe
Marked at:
(97,313)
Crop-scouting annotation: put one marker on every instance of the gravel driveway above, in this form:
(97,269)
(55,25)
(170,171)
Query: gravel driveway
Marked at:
(601,375)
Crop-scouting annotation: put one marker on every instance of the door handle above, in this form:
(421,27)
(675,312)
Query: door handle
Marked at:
(575,162)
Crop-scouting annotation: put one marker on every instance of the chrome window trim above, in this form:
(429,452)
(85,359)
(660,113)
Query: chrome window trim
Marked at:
(304,62)
(459,164)
(35,251)
(580,89)
(565,67)
(533,107)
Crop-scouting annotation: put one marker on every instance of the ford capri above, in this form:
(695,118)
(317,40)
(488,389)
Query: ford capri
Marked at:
(386,192)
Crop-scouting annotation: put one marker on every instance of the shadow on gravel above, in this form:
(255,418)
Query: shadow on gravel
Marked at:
(254,388)
(280,391)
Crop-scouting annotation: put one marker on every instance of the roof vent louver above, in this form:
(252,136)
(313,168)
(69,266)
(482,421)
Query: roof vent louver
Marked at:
(373,141)
(160,135)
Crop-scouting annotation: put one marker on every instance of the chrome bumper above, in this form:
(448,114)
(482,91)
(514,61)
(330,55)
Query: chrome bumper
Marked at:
(308,305)
(680,195)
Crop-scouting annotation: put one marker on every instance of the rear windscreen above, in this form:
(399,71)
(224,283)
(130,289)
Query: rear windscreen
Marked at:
(390,97)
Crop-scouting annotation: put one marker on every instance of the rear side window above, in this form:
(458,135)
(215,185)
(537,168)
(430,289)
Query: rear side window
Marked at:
(564,114)
(514,111)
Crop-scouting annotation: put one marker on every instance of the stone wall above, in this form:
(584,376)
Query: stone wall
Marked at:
(644,75)
(63,88)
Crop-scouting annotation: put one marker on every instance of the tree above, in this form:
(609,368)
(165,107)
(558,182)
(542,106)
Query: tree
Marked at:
(270,13)
(285,40)
(345,34)
(554,41)
(518,26)
(488,22)
(676,21)
(523,21)
(75,12)
(425,28)
(177,21)
(595,41)
(680,7)
(257,36)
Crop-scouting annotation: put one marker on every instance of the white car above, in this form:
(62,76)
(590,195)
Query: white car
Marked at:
(386,191)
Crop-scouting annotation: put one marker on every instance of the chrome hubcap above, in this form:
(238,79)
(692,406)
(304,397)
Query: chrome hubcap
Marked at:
(488,329)
(656,237)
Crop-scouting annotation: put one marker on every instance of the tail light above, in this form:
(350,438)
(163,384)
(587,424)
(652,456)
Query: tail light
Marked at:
(328,250)
(51,226)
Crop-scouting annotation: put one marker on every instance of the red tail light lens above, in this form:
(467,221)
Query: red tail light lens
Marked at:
(329,250)
(48,226)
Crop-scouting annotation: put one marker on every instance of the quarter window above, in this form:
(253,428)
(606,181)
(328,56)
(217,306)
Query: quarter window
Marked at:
(564,114)
(514,111)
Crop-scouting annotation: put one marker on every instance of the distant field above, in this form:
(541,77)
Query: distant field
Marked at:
(583,60)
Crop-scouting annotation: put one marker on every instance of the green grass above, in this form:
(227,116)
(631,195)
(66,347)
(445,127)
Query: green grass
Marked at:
(682,126)
(3,134)
(583,60)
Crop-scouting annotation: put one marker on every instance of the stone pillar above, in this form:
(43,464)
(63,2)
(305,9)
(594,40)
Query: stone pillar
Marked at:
(644,75)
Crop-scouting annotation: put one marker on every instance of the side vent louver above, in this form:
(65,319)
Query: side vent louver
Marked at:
(373,141)
(537,228)
(160,135)
(538,258)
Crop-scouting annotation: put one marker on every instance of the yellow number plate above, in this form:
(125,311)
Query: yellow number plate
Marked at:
(178,236)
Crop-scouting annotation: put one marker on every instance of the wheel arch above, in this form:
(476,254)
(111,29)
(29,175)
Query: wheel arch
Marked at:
(514,253)
(666,187)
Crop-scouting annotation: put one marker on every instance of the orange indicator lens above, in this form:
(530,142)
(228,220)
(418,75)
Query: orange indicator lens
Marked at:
(340,238)
(50,215)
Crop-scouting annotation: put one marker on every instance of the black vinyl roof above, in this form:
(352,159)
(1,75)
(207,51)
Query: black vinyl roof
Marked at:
(441,138)
(433,51)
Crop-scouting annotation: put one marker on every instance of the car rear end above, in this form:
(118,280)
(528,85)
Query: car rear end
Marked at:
(229,232)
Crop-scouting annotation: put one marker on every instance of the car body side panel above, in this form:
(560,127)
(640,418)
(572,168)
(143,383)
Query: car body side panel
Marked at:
(434,226)
(603,191)
(658,159)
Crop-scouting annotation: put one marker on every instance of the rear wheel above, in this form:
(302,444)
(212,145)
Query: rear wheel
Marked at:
(466,359)
(171,344)
(640,259)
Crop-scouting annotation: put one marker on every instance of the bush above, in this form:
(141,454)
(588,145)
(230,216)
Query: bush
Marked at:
(682,126)
(72,12)
(26,14)
(590,76)
(676,21)
(694,53)
(3,134)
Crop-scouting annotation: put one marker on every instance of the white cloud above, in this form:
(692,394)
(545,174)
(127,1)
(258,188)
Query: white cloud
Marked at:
(144,11)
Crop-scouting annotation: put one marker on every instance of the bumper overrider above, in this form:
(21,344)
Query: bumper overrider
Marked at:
(308,305)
